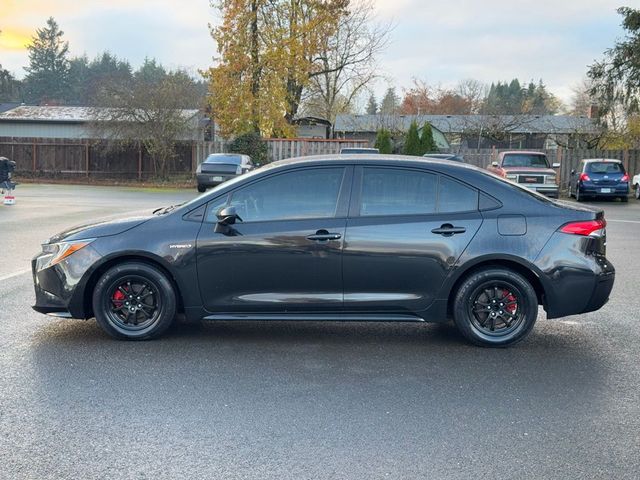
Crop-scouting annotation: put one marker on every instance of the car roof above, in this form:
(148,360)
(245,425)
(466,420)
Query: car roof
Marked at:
(369,159)
(592,160)
(522,152)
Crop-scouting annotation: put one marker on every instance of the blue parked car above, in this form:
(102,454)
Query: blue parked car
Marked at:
(599,178)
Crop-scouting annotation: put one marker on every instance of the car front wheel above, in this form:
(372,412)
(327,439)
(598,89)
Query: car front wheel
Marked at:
(202,188)
(134,300)
(495,307)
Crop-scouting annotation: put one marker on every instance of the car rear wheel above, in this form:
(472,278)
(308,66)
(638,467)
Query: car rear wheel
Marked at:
(579,198)
(202,188)
(495,307)
(135,301)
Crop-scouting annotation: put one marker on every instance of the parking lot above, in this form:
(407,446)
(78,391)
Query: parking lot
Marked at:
(308,400)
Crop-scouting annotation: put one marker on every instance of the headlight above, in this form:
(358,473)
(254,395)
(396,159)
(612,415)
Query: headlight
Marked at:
(54,253)
(550,179)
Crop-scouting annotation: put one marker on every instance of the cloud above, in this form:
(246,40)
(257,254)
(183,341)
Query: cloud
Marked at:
(442,41)
(446,41)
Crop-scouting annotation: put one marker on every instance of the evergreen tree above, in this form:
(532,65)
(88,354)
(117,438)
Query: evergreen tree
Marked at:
(412,141)
(427,143)
(390,102)
(372,105)
(383,141)
(47,76)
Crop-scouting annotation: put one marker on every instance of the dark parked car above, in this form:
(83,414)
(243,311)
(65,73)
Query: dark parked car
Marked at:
(445,156)
(358,150)
(220,167)
(337,238)
(599,178)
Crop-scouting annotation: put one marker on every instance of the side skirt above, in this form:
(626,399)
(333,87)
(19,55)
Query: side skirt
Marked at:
(319,317)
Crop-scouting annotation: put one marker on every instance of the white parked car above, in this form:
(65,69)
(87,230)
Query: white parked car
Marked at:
(635,184)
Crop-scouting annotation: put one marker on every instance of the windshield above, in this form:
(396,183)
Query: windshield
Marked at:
(525,160)
(234,159)
(605,167)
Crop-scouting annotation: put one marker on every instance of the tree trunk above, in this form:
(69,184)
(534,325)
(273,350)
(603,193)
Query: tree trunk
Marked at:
(255,66)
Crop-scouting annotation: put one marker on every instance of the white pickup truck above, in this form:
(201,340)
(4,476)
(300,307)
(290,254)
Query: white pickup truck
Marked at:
(635,184)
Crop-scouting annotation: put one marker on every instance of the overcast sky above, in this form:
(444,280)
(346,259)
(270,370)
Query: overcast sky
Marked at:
(438,41)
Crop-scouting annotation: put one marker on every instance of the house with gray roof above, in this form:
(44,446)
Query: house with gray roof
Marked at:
(481,131)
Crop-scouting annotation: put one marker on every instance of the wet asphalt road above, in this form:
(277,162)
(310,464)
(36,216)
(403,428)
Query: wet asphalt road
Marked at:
(309,400)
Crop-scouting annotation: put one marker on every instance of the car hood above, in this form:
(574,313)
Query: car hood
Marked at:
(530,170)
(102,228)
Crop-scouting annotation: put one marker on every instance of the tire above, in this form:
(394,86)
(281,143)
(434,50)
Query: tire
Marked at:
(579,198)
(637,192)
(511,300)
(202,188)
(624,199)
(141,283)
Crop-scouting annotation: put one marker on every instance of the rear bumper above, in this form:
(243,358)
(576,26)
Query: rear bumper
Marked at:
(593,191)
(207,179)
(601,292)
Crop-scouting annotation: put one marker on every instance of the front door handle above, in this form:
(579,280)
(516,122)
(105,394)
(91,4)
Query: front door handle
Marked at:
(447,230)
(324,235)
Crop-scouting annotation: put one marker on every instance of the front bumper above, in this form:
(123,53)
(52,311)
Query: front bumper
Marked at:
(59,289)
(546,189)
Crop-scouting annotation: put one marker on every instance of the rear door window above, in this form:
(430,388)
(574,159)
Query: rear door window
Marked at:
(388,191)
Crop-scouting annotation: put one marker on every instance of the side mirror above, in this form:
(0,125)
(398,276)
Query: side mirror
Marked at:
(495,164)
(228,216)
(555,165)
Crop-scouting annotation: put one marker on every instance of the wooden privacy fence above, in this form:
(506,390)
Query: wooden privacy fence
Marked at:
(68,158)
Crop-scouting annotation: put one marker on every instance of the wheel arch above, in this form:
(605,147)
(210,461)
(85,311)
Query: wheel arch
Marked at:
(108,262)
(525,269)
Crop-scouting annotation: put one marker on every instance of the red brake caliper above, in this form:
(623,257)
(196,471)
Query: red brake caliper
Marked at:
(511,299)
(117,298)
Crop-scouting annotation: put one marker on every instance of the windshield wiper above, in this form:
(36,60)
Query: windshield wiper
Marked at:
(165,210)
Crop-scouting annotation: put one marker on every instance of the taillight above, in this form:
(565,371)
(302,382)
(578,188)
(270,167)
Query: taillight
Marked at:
(625,178)
(584,177)
(584,228)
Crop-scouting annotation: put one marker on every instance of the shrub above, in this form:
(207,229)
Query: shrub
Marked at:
(250,144)
(383,141)
(412,141)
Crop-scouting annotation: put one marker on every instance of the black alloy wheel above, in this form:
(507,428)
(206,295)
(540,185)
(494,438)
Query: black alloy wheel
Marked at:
(495,307)
(135,301)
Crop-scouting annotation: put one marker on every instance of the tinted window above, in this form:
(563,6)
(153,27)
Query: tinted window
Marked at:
(455,197)
(524,160)
(233,159)
(605,167)
(311,193)
(397,192)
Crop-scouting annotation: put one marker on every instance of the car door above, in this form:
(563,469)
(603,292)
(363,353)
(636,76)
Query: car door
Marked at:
(405,232)
(286,254)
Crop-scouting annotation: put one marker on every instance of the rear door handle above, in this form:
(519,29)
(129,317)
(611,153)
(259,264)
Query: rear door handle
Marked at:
(447,230)
(324,235)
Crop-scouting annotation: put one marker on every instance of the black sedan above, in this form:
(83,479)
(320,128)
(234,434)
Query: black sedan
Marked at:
(364,238)
(220,167)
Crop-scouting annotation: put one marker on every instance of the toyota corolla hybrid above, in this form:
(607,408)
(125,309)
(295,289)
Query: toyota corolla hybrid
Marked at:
(367,238)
